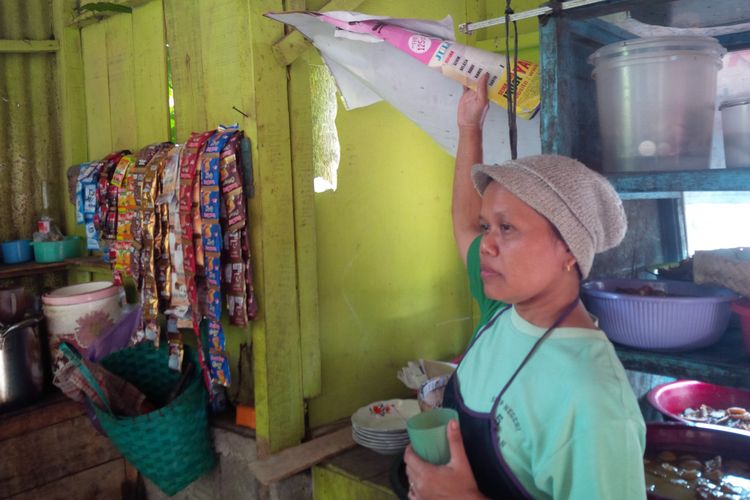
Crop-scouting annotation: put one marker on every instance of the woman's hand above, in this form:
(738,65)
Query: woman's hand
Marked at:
(449,481)
(473,105)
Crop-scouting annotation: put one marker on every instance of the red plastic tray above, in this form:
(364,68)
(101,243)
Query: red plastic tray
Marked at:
(672,398)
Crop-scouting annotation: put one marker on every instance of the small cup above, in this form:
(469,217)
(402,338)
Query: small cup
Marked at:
(428,434)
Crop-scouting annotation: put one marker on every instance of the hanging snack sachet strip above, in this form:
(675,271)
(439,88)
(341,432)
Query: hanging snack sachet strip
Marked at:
(174,292)
(210,209)
(188,169)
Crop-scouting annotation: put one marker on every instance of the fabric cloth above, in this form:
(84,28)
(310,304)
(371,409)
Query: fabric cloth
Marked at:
(579,202)
(569,425)
(124,398)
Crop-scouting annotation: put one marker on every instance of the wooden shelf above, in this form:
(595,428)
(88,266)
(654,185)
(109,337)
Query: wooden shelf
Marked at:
(34,268)
(724,363)
(720,179)
(570,126)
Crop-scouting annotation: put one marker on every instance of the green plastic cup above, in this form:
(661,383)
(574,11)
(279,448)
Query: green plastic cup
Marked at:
(428,434)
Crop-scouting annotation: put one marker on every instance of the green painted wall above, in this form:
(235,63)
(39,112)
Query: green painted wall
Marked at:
(391,284)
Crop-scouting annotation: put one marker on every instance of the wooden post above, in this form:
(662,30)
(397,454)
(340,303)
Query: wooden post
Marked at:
(301,122)
(276,352)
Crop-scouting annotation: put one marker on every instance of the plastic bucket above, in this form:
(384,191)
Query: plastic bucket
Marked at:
(656,102)
(78,314)
(72,247)
(16,251)
(735,119)
(49,251)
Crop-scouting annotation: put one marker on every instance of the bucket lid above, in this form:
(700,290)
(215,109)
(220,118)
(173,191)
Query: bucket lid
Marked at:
(658,45)
(735,101)
(77,294)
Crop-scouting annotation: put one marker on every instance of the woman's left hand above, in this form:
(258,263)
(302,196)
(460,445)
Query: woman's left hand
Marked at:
(452,480)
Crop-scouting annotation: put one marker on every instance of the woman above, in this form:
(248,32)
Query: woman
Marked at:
(545,407)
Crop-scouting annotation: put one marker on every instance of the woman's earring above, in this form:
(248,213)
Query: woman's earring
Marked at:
(569,267)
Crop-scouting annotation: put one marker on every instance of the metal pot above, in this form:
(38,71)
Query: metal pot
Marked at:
(21,363)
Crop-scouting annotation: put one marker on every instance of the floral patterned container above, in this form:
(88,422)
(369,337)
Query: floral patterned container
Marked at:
(78,314)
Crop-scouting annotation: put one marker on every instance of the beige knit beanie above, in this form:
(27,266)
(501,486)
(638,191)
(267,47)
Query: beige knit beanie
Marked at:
(579,202)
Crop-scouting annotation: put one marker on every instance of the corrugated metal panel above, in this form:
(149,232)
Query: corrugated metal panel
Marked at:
(30,138)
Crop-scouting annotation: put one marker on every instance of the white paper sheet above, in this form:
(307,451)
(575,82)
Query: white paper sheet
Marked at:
(367,72)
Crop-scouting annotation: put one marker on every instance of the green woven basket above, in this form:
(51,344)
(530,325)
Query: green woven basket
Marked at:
(170,446)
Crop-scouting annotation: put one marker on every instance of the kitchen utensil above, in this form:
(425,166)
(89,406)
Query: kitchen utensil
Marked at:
(387,415)
(13,304)
(21,365)
(656,100)
(427,433)
(735,122)
(699,440)
(381,425)
(672,398)
(690,316)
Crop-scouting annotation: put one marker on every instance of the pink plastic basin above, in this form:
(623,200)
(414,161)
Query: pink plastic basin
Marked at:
(672,398)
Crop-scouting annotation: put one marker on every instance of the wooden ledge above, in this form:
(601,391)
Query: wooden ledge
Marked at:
(290,461)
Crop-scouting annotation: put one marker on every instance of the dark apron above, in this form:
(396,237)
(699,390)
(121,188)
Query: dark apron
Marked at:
(480,430)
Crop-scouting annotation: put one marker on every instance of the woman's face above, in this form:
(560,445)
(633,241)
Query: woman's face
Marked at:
(521,256)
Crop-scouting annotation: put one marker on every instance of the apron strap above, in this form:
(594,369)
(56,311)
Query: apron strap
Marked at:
(566,312)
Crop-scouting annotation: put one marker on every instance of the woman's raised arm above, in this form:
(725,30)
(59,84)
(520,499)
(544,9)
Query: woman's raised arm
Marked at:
(466,201)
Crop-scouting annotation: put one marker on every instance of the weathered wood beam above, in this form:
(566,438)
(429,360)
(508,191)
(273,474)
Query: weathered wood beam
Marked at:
(28,46)
(289,48)
(298,458)
(301,118)
(277,369)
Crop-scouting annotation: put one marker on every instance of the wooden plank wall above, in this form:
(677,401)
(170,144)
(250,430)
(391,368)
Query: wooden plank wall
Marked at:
(51,451)
(72,99)
(223,71)
(125,81)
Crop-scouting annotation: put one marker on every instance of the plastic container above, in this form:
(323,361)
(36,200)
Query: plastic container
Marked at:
(672,398)
(78,314)
(735,119)
(702,441)
(690,316)
(16,251)
(72,247)
(742,308)
(49,251)
(656,102)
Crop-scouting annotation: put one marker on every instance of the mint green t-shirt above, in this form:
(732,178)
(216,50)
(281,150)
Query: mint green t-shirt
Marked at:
(570,426)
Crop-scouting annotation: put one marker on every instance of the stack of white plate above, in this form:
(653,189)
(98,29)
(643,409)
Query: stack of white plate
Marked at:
(381,426)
